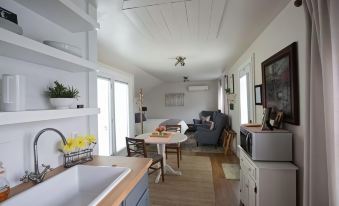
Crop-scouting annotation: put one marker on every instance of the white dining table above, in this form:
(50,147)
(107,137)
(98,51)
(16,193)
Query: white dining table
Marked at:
(176,138)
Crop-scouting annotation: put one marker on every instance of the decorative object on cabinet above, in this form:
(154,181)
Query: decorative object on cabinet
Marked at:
(174,99)
(258,96)
(13,93)
(9,21)
(266,125)
(78,150)
(280,83)
(62,97)
(278,119)
(64,47)
(267,183)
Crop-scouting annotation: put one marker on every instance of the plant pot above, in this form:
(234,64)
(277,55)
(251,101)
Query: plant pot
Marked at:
(62,103)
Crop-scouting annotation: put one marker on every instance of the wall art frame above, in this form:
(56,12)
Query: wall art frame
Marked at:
(258,94)
(280,84)
(174,99)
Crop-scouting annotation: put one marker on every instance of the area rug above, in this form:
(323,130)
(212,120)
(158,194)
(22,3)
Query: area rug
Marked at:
(193,188)
(190,145)
(231,171)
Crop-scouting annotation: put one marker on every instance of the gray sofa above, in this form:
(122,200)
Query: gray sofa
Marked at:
(204,135)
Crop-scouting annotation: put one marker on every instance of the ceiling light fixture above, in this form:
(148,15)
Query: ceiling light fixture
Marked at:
(180,60)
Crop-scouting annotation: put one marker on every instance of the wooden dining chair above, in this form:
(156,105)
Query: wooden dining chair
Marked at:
(174,148)
(228,137)
(137,148)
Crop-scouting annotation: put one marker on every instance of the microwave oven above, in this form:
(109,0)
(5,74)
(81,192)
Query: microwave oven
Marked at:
(266,145)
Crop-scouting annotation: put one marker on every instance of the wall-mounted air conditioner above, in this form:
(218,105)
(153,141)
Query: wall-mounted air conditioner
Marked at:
(197,88)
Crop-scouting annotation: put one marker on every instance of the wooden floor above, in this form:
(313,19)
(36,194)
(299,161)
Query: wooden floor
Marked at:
(226,191)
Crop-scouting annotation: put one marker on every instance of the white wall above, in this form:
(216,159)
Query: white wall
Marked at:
(194,101)
(16,141)
(142,79)
(289,26)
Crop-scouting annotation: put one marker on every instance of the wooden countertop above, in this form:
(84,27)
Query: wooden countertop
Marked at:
(138,168)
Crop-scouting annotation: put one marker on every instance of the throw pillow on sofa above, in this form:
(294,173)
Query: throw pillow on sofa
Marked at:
(205,119)
(212,125)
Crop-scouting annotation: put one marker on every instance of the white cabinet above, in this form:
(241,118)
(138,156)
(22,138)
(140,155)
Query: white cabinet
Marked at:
(266,183)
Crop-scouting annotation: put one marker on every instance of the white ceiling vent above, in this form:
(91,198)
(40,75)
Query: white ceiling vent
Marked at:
(197,88)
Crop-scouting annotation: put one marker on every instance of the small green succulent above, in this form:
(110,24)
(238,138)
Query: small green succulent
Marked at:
(61,91)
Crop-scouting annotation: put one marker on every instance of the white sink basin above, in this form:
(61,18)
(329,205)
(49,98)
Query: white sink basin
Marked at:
(78,186)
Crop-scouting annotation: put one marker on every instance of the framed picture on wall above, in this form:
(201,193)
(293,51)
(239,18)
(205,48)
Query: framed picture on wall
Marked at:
(231,84)
(280,84)
(226,82)
(174,99)
(257,92)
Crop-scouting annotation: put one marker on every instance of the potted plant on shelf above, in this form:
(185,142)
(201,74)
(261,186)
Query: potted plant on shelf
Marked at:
(62,97)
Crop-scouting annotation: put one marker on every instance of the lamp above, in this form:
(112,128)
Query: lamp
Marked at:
(138,119)
(142,109)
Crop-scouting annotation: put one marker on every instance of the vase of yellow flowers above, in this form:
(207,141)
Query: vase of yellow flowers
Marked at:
(78,150)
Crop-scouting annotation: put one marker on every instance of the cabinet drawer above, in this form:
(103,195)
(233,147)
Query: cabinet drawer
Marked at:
(242,161)
(247,166)
(252,171)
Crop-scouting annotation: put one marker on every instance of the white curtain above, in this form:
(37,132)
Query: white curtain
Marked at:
(321,169)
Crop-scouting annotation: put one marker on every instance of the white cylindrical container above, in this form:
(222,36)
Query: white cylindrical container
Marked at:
(13,93)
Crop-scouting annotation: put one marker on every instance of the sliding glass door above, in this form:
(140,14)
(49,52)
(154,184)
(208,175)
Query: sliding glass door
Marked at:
(121,114)
(113,120)
(104,118)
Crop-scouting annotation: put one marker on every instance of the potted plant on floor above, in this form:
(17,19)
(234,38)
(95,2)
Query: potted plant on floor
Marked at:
(62,97)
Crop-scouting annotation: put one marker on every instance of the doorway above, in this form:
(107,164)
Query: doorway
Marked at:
(246,87)
(104,90)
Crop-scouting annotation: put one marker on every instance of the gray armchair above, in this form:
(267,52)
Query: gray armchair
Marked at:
(206,136)
(198,122)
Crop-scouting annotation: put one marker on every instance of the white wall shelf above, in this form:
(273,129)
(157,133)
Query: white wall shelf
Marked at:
(7,118)
(20,47)
(62,12)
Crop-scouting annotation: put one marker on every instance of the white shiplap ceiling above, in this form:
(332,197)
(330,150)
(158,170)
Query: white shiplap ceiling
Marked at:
(177,19)
(210,33)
